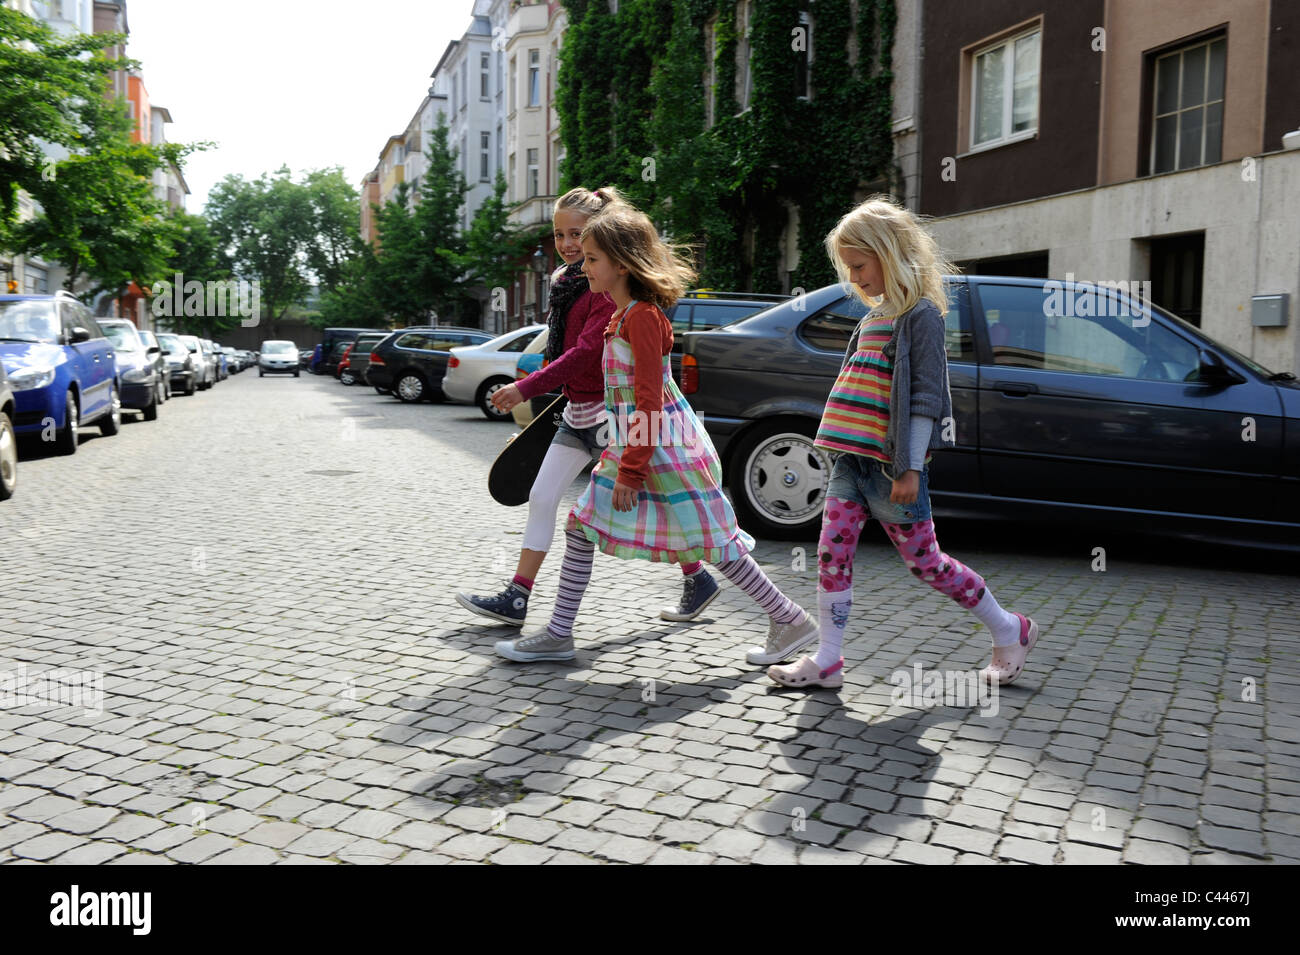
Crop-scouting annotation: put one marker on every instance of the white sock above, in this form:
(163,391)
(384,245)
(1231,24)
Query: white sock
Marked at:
(833,617)
(1004,626)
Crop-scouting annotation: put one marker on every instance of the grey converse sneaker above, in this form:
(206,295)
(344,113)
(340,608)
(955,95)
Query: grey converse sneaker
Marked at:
(538,646)
(784,640)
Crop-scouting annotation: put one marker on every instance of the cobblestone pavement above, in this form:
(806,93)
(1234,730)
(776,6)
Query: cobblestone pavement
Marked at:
(264,580)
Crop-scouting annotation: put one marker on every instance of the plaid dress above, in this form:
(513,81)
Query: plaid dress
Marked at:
(680,514)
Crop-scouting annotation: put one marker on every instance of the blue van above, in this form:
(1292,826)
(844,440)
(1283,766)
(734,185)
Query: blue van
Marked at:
(62,369)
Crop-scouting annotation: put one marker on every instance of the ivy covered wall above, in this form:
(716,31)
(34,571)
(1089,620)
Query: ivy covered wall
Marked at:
(632,106)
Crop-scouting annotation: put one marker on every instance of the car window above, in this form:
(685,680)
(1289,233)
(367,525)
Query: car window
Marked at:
(413,340)
(830,328)
(122,337)
(958,341)
(710,315)
(519,344)
(442,341)
(679,316)
(1029,329)
(31,321)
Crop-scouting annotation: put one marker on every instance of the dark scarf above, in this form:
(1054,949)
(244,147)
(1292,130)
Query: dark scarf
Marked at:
(566,290)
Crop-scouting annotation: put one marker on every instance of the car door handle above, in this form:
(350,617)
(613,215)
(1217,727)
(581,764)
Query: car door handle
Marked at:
(1015,389)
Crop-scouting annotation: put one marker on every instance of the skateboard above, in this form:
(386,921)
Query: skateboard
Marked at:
(516,467)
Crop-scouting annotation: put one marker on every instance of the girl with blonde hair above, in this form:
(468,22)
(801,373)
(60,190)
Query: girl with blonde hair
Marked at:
(656,493)
(889,407)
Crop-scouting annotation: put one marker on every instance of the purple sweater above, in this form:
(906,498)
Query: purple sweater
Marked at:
(578,367)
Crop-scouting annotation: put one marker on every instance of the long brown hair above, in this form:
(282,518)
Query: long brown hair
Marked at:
(658,272)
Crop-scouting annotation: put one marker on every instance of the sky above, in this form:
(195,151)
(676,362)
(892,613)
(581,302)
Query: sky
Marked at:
(305,83)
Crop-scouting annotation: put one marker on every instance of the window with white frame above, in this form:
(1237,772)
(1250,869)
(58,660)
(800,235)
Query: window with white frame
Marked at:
(534,77)
(1004,90)
(484,156)
(484,71)
(464,83)
(514,80)
(744,76)
(1188,120)
(533,182)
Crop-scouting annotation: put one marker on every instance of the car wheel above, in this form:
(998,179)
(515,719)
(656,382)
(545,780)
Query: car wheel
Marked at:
(410,387)
(348,378)
(189,387)
(778,478)
(260,373)
(68,437)
(150,412)
(8,458)
(484,398)
(111,423)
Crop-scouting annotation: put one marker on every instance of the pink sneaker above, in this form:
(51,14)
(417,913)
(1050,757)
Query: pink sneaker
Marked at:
(804,672)
(1009,662)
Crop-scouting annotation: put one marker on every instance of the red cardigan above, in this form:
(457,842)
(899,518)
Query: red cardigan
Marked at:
(578,367)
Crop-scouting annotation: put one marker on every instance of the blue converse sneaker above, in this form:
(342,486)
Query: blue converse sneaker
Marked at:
(698,591)
(537,646)
(510,606)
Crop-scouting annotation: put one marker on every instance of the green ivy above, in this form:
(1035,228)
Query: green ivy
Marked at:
(632,100)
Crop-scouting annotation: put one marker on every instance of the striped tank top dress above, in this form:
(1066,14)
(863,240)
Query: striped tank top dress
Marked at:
(857,411)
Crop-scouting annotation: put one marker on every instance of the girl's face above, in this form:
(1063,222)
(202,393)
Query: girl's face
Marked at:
(603,274)
(864,271)
(568,234)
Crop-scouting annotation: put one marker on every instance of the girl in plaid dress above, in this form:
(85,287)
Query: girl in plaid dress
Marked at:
(656,493)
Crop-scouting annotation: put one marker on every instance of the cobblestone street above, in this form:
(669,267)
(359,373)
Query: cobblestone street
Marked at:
(265,579)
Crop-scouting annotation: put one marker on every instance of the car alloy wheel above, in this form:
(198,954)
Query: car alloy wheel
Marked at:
(485,393)
(8,458)
(348,378)
(782,479)
(68,436)
(410,387)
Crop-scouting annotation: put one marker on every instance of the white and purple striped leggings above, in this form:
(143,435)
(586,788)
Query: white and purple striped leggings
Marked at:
(575,574)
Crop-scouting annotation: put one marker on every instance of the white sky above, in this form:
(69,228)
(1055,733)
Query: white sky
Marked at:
(307,83)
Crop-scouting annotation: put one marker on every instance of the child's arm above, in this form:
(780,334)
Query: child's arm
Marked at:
(595,312)
(929,362)
(646,329)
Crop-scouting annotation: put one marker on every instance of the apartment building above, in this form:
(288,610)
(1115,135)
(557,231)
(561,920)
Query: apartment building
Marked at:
(1123,140)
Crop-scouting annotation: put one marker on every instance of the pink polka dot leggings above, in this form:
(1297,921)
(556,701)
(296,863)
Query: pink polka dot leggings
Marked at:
(842,523)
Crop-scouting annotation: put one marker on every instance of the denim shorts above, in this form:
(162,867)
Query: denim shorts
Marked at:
(593,439)
(857,478)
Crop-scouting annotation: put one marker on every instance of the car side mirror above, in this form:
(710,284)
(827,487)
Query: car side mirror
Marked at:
(79,335)
(1212,370)
(153,350)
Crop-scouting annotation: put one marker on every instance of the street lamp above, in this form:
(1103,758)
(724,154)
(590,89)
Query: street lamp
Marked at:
(539,266)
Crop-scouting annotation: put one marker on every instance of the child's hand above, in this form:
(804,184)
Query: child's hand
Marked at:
(506,398)
(624,497)
(905,489)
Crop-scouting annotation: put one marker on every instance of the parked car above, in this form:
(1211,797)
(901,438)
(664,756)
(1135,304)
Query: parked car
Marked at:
(330,339)
(530,360)
(304,357)
(141,368)
(278,358)
(352,367)
(204,368)
(151,341)
(8,439)
(218,359)
(234,359)
(181,365)
(411,362)
(329,364)
(1121,412)
(60,366)
(476,372)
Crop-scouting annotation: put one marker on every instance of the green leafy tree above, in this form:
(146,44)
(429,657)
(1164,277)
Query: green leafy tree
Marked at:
(437,218)
(335,208)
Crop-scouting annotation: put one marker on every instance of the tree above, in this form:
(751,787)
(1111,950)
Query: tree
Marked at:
(493,246)
(437,218)
(335,209)
(265,228)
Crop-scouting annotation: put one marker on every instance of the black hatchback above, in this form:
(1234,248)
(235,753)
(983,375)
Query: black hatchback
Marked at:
(410,362)
(1108,409)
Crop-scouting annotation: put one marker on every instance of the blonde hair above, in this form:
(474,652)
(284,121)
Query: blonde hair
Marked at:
(658,272)
(587,202)
(911,262)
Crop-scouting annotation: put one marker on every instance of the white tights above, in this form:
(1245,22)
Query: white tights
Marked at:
(559,468)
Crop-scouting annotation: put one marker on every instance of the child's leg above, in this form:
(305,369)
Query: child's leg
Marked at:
(920,551)
(561,465)
(575,574)
(842,523)
(749,577)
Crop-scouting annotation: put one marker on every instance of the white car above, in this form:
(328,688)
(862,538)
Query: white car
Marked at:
(278,358)
(475,372)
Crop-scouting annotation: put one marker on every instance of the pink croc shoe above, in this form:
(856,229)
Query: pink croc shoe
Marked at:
(804,672)
(1009,661)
